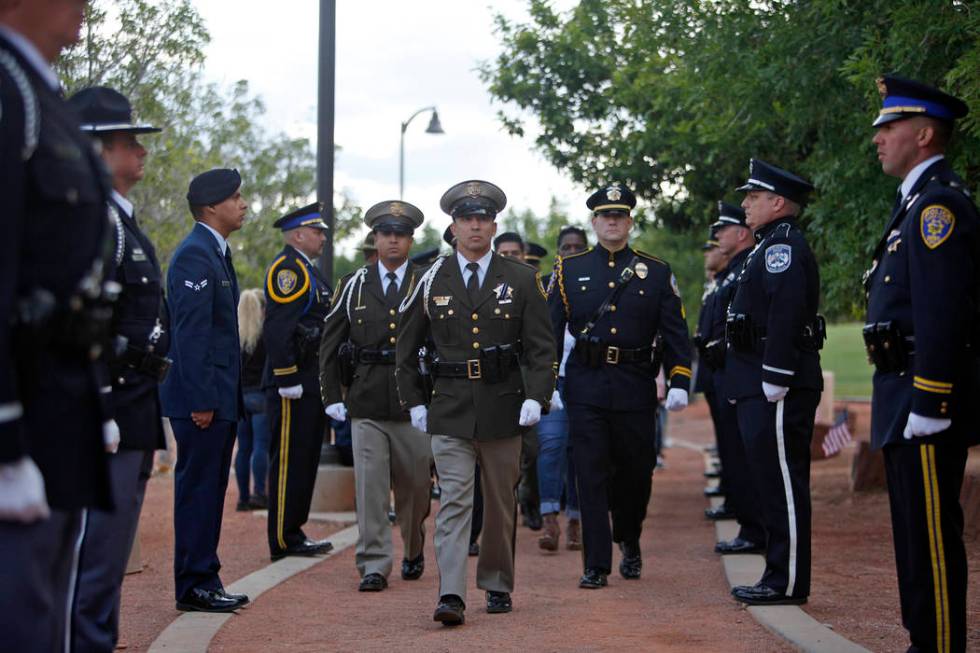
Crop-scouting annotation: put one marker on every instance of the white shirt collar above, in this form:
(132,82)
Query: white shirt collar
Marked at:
(915,173)
(484,262)
(123,203)
(34,57)
(399,273)
(222,243)
(303,254)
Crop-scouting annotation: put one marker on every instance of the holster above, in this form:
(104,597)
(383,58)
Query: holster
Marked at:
(590,349)
(307,342)
(740,332)
(888,350)
(347,362)
(713,354)
(143,361)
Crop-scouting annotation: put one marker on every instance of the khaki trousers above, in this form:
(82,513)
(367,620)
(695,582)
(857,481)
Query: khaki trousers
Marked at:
(389,455)
(456,459)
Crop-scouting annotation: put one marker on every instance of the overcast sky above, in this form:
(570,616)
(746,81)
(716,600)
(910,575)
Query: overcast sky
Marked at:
(392,58)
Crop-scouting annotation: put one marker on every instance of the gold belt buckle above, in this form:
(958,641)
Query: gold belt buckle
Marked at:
(612,355)
(473,369)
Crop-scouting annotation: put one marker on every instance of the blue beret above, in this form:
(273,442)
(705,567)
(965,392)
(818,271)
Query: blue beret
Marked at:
(213,186)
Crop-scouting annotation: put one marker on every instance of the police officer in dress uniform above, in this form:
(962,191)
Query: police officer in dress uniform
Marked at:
(389,453)
(735,241)
(202,394)
(488,318)
(297,301)
(772,371)
(52,454)
(135,372)
(922,336)
(615,301)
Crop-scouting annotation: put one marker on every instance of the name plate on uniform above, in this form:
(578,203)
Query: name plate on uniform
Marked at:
(138,254)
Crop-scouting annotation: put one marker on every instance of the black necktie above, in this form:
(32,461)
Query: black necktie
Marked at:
(391,292)
(473,285)
(231,272)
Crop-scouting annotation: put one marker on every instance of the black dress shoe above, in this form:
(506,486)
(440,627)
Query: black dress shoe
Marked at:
(632,562)
(592,579)
(450,610)
(474,548)
(719,512)
(738,545)
(202,600)
(242,506)
(412,569)
(306,548)
(714,491)
(372,583)
(498,602)
(241,598)
(258,502)
(762,595)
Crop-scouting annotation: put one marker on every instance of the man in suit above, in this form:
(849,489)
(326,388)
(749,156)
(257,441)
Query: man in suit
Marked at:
(487,317)
(53,461)
(202,394)
(297,300)
(134,374)
(772,372)
(922,338)
(389,453)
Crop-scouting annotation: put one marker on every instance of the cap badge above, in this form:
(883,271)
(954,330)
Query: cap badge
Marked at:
(613,194)
(397,209)
(882,87)
(473,189)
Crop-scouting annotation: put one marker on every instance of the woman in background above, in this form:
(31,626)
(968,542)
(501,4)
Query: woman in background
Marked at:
(253,429)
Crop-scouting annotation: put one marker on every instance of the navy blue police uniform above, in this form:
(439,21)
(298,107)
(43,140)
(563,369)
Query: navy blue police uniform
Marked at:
(922,335)
(135,368)
(741,497)
(773,335)
(297,302)
(610,382)
(54,191)
(202,290)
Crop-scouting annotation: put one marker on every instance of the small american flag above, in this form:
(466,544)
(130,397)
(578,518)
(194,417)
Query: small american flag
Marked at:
(838,436)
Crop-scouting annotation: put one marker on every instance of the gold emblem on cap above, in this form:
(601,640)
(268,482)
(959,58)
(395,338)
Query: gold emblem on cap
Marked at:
(473,189)
(641,270)
(882,87)
(397,209)
(613,194)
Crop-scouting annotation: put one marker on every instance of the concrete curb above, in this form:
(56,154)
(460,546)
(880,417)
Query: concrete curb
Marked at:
(192,632)
(788,621)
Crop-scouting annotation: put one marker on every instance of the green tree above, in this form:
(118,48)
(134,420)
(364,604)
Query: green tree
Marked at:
(152,51)
(673,97)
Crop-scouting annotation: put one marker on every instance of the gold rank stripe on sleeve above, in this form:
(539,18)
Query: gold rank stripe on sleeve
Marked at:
(285,371)
(938,387)
(680,369)
(275,281)
(936,552)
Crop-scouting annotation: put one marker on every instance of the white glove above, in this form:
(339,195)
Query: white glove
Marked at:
(110,436)
(774,393)
(556,402)
(919,426)
(676,399)
(22,492)
(530,413)
(291,392)
(337,411)
(420,417)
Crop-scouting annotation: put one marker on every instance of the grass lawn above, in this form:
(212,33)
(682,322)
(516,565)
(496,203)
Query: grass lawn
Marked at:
(844,355)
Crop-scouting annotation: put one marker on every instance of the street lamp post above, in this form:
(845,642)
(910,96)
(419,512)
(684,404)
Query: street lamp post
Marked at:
(435,127)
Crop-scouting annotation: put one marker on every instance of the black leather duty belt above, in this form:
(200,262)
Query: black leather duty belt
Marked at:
(376,356)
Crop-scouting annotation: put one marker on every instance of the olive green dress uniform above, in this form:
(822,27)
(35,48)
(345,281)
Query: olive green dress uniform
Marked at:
(474,417)
(389,453)
(297,301)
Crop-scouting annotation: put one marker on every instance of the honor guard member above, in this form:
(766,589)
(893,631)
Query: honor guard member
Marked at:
(922,337)
(772,371)
(735,241)
(616,301)
(141,325)
(52,454)
(494,370)
(202,394)
(368,250)
(297,301)
(389,453)
(533,253)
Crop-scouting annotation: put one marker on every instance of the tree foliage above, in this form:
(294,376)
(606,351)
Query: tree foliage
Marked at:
(152,51)
(673,97)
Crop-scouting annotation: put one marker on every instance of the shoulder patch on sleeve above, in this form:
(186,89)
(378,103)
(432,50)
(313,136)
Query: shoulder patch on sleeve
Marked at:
(673,285)
(286,284)
(778,258)
(936,223)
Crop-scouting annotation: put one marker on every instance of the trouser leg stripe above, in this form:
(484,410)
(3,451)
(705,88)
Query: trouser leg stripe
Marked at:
(790,503)
(283,466)
(934,523)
